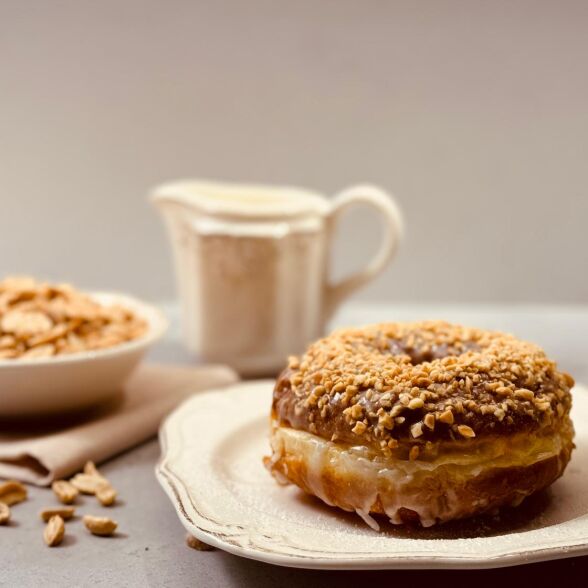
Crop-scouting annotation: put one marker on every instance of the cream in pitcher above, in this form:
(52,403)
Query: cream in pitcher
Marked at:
(252,266)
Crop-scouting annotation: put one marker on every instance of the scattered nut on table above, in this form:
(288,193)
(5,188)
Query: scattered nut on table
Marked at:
(87,484)
(91,469)
(65,512)
(54,531)
(65,492)
(91,481)
(194,543)
(102,526)
(106,494)
(12,492)
(4,513)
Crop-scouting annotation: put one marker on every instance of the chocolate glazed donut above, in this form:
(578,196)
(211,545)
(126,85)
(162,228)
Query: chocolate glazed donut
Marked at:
(425,422)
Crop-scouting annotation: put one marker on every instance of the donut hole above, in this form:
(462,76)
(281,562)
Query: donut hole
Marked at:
(428,353)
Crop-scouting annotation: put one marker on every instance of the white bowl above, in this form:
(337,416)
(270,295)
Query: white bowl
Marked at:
(71,382)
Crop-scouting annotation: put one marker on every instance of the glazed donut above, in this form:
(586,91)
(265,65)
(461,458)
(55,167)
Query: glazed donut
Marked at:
(421,422)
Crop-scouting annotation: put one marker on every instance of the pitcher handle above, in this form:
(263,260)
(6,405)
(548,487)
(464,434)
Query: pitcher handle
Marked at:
(393,232)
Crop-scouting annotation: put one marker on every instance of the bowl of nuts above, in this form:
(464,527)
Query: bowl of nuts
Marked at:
(64,350)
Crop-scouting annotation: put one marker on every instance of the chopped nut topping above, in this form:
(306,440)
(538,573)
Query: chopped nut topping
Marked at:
(465,431)
(429,420)
(393,382)
(417,429)
(416,403)
(446,417)
(359,428)
(386,421)
(524,394)
(356,411)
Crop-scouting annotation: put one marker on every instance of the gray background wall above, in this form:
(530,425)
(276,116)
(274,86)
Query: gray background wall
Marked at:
(474,113)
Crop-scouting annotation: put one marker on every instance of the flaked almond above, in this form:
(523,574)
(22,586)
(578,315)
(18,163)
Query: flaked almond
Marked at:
(194,543)
(65,492)
(65,512)
(12,492)
(101,526)
(4,513)
(54,531)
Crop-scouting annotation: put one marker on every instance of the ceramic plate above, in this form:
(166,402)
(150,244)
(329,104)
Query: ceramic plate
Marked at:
(211,468)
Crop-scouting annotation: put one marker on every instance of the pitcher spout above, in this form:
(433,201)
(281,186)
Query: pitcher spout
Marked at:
(178,196)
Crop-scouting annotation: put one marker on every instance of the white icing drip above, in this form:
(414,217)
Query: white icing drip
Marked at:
(368,519)
(277,454)
(397,483)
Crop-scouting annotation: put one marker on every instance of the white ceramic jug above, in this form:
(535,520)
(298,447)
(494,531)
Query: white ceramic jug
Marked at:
(252,266)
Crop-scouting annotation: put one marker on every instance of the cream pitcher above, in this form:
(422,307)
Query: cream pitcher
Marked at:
(252,266)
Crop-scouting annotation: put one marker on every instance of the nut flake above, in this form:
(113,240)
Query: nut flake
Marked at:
(39,320)
(22,324)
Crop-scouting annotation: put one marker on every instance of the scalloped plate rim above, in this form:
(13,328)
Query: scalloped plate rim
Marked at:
(179,494)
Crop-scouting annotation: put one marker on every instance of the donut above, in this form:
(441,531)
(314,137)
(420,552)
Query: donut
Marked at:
(421,422)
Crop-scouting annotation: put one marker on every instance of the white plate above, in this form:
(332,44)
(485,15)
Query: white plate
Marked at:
(211,468)
(78,380)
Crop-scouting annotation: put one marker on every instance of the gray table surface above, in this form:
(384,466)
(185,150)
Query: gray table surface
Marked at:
(150,549)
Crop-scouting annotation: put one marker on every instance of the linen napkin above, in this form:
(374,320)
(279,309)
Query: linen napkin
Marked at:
(52,447)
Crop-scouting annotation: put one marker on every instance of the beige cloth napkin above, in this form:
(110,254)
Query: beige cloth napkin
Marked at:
(56,447)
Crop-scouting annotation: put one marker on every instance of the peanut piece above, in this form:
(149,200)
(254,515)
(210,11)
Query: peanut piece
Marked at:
(101,526)
(194,543)
(93,482)
(88,484)
(4,513)
(12,492)
(54,531)
(65,492)
(106,494)
(42,320)
(65,512)
(91,469)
